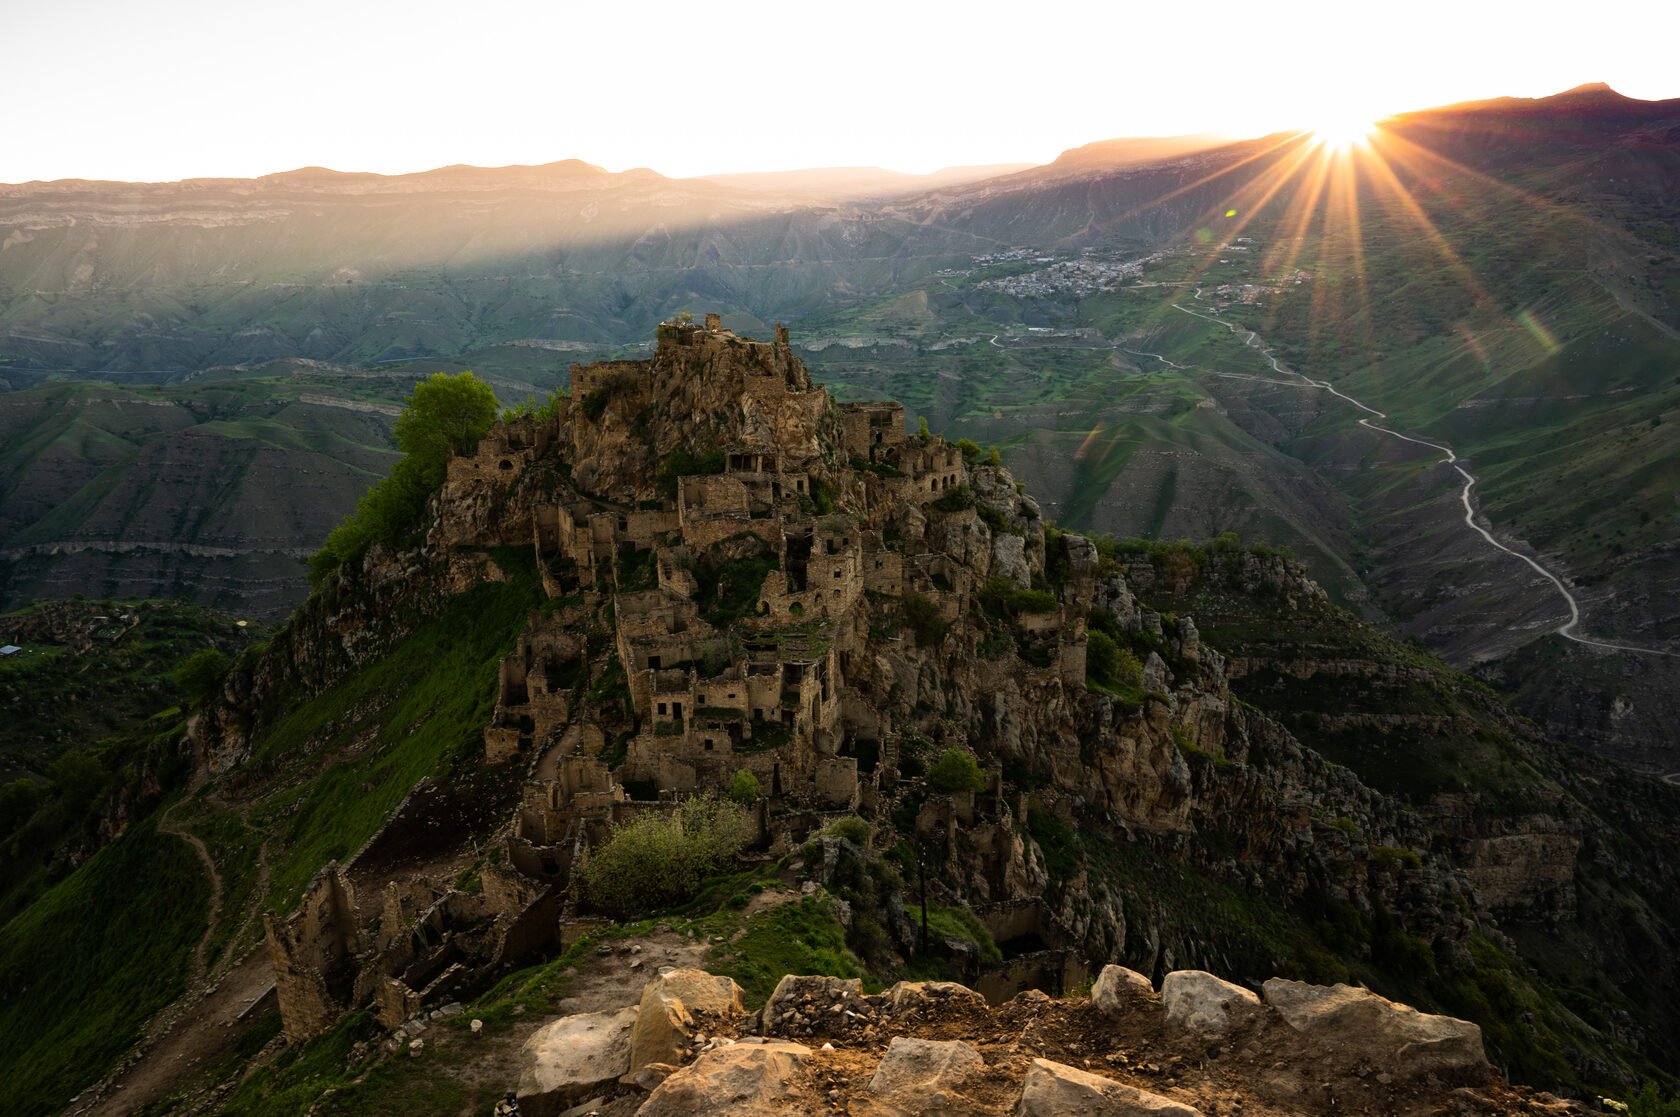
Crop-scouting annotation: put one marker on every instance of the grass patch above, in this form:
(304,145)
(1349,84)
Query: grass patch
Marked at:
(798,938)
(417,711)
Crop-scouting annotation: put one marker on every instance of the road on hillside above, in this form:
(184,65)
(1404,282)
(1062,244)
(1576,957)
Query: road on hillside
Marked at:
(1568,629)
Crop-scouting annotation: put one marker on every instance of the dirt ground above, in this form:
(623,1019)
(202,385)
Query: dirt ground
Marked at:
(200,1034)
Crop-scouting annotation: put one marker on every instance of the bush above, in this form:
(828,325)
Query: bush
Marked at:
(200,675)
(744,789)
(683,462)
(1649,1102)
(958,499)
(922,615)
(1003,598)
(1107,663)
(956,770)
(659,859)
(852,828)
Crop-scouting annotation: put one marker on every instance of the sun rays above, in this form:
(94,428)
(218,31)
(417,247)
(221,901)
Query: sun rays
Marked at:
(1373,215)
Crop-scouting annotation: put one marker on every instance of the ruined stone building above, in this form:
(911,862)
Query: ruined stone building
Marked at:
(725,550)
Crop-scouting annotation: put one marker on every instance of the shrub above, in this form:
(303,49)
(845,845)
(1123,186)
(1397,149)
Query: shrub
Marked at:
(1003,598)
(683,462)
(594,404)
(922,615)
(658,860)
(200,675)
(957,500)
(956,770)
(743,788)
(852,828)
(1107,663)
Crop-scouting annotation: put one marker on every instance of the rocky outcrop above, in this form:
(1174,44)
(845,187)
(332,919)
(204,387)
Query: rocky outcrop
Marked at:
(569,1060)
(1056,1090)
(745,1079)
(665,1022)
(1202,1003)
(924,1077)
(1118,991)
(1357,1026)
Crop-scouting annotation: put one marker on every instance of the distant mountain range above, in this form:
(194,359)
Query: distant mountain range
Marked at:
(1505,280)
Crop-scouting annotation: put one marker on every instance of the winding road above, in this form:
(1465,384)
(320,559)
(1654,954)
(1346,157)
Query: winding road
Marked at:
(1568,630)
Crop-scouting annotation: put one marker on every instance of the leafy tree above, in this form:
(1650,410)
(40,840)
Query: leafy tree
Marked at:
(743,788)
(660,859)
(444,413)
(922,431)
(1649,1102)
(200,675)
(956,770)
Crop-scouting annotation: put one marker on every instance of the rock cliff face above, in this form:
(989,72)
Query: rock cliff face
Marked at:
(744,575)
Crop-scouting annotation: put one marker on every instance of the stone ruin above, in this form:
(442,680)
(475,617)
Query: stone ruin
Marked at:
(820,495)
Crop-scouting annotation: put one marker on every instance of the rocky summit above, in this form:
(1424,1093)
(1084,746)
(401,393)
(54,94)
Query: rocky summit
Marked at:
(965,746)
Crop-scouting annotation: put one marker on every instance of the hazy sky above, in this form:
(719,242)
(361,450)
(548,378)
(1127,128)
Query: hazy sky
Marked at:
(167,89)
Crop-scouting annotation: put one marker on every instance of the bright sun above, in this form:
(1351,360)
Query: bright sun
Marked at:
(1342,133)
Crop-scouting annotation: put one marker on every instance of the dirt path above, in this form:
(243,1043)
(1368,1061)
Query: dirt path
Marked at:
(202,1025)
(198,1039)
(168,825)
(1568,628)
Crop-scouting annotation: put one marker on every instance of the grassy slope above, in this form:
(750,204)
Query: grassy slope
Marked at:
(1570,998)
(91,961)
(95,956)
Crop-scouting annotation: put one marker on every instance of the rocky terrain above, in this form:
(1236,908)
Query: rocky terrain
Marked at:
(821,1045)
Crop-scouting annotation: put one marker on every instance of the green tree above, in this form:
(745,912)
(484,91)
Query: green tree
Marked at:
(956,770)
(743,788)
(1649,1102)
(661,858)
(200,675)
(445,413)
(922,431)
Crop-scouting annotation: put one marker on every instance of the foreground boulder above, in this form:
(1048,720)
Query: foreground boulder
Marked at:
(567,1061)
(923,1076)
(742,1079)
(1360,1025)
(1202,1003)
(799,1001)
(1118,991)
(1056,1090)
(936,996)
(665,1025)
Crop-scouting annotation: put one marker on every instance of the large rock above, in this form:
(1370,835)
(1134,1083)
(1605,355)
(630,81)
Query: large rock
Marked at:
(565,1062)
(1200,1002)
(911,996)
(1009,558)
(1360,1025)
(666,1023)
(1118,991)
(807,997)
(924,1076)
(742,1080)
(1055,1090)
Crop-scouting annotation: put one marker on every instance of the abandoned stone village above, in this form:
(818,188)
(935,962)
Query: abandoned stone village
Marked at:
(743,575)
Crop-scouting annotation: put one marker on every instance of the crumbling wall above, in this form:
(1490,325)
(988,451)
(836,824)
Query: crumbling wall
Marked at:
(313,955)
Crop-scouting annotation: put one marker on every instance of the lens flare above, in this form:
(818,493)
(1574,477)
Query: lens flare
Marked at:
(1343,133)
